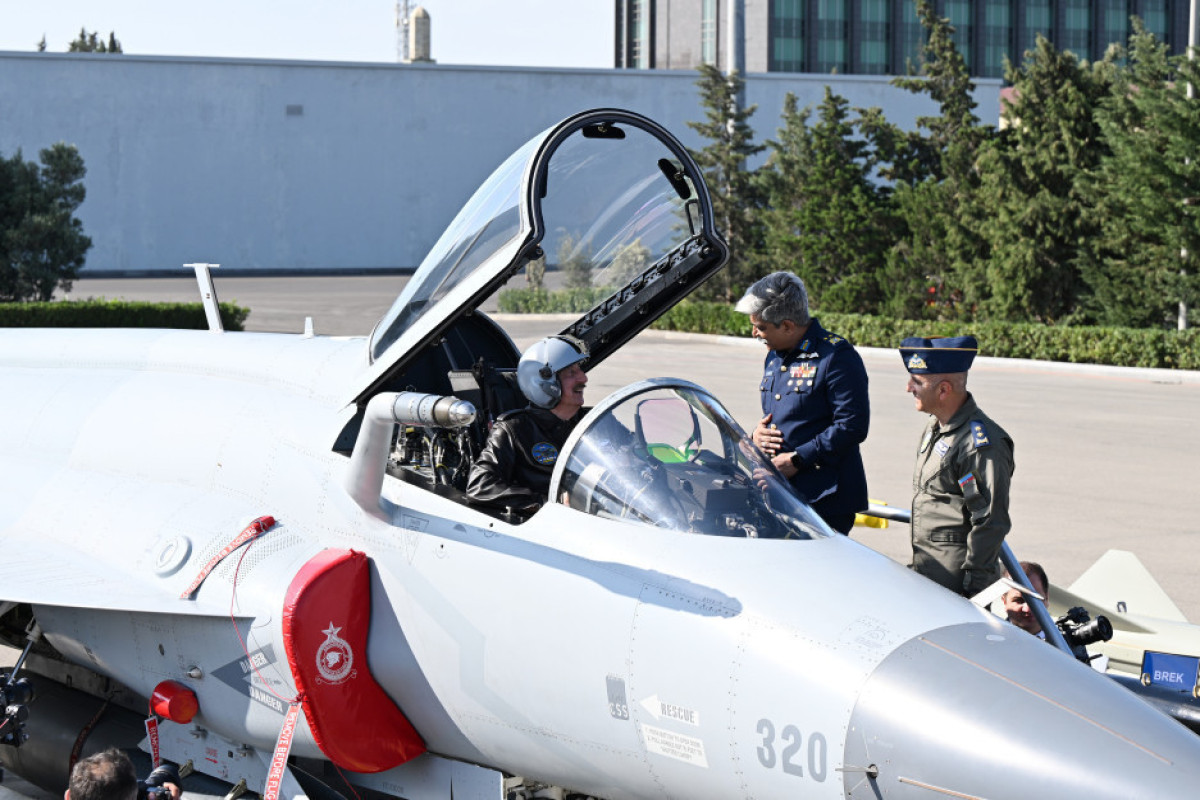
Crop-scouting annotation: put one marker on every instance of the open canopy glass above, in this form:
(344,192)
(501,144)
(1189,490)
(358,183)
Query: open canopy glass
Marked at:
(607,191)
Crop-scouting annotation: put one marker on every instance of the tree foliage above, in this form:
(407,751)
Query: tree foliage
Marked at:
(825,219)
(575,260)
(1146,259)
(1083,208)
(734,188)
(630,261)
(934,267)
(42,244)
(92,43)
(1032,185)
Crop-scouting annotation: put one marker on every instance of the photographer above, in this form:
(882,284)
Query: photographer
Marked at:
(1077,628)
(1016,604)
(109,775)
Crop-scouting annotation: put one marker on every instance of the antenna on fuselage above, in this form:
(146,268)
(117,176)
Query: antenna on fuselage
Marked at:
(208,295)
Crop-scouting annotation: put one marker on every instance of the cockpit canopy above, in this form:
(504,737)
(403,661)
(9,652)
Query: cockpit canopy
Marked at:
(665,453)
(612,194)
(607,192)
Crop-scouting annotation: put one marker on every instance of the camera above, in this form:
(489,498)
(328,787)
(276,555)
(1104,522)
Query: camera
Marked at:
(1079,630)
(152,787)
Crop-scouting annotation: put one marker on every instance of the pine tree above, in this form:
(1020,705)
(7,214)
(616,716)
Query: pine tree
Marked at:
(936,266)
(1032,185)
(1147,190)
(826,219)
(42,245)
(92,43)
(575,261)
(732,186)
(942,146)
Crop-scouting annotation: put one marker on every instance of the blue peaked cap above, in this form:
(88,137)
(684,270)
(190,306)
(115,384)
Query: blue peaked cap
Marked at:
(938,356)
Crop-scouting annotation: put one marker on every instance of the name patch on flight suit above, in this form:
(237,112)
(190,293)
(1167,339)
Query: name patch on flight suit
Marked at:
(544,453)
(941,448)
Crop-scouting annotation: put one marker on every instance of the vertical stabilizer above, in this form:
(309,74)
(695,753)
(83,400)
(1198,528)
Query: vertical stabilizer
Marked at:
(1119,577)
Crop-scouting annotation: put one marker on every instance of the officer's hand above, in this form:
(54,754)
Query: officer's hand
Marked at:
(974,582)
(783,463)
(768,439)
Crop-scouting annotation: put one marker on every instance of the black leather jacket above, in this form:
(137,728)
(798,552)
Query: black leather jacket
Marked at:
(514,469)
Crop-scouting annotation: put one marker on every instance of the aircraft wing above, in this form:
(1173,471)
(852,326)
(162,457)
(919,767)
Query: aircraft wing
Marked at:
(46,574)
(61,561)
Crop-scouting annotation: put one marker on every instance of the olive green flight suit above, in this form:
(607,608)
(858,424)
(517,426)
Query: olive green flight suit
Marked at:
(960,499)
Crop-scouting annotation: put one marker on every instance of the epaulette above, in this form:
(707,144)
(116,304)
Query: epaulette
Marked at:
(979,435)
(833,338)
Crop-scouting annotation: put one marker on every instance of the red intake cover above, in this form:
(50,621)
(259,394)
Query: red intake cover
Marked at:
(326,617)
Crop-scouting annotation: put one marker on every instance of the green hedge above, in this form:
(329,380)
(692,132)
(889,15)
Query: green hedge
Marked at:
(1125,347)
(117,314)
(540,301)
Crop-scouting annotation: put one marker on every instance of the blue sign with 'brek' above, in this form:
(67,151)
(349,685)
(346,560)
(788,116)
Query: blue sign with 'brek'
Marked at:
(1165,669)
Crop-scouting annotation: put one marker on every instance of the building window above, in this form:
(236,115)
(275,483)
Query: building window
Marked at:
(787,32)
(959,14)
(1154,14)
(873,38)
(1038,19)
(1076,25)
(832,35)
(708,32)
(996,38)
(639,28)
(1115,25)
(910,38)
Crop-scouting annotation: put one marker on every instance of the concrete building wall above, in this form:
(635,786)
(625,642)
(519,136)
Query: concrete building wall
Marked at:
(676,39)
(282,165)
(757,35)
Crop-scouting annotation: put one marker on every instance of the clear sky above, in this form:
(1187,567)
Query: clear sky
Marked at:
(537,33)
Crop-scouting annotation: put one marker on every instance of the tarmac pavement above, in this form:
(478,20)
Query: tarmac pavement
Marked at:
(1106,458)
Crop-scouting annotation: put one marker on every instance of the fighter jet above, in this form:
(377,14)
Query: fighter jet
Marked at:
(260,544)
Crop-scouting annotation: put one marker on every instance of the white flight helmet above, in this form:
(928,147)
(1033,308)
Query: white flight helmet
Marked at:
(537,371)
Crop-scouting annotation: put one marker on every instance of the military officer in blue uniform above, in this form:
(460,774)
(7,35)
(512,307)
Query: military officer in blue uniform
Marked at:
(963,473)
(814,400)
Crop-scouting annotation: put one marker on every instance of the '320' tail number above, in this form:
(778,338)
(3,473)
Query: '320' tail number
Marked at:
(789,744)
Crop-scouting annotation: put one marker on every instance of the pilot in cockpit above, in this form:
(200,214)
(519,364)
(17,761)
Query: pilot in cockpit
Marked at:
(514,469)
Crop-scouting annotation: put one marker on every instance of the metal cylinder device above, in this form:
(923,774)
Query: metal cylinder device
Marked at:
(431,410)
(368,462)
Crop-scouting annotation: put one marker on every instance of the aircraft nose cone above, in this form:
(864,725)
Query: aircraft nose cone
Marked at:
(988,711)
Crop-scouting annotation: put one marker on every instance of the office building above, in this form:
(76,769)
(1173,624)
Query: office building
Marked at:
(877,37)
(320,166)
